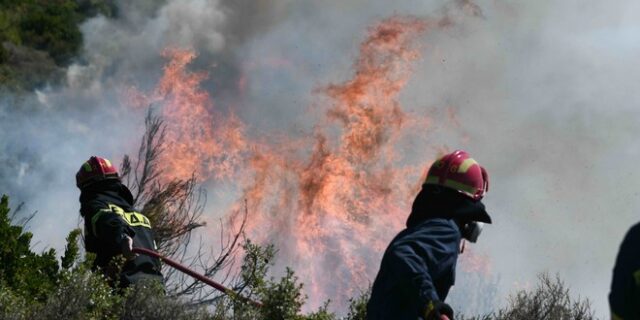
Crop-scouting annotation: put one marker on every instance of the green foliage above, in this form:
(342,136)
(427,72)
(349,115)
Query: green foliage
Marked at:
(256,264)
(10,15)
(32,286)
(253,272)
(282,299)
(27,273)
(38,37)
(72,250)
(322,314)
(13,306)
(51,26)
(90,8)
(358,306)
(549,300)
(148,301)
(81,294)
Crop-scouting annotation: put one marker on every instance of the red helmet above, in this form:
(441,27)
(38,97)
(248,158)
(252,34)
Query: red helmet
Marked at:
(95,169)
(457,170)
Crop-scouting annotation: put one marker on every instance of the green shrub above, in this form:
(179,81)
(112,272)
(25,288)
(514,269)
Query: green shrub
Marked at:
(148,301)
(358,306)
(549,300)
(52,26)
(38,38)
(282,299)
(33,286)
(81,294)
(24,272)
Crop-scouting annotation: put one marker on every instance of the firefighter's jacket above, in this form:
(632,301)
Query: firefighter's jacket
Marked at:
(624,298)
(108,215)
(419,264)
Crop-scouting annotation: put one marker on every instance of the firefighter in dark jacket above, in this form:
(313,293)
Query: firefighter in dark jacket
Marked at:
(624,298)
(418,267)
(112,226)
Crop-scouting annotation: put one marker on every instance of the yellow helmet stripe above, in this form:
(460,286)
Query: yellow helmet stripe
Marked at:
(466,164)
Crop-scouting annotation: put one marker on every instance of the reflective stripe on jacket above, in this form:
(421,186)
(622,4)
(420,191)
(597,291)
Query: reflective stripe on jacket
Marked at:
(108,215)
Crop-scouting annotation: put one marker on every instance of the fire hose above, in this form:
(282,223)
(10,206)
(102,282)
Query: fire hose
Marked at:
(195,275)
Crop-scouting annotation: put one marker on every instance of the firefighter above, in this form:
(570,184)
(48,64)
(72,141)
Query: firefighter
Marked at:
(624,298)
(418,267)
(112,226)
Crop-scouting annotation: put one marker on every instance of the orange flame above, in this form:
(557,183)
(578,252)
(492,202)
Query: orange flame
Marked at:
(196,141)
(330,209)
(335,210)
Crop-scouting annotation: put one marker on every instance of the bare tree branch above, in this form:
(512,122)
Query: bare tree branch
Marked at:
(175,210)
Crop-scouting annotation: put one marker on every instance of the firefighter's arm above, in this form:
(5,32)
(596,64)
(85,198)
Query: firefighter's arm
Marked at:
(626,276)
(404,261)
(112,230)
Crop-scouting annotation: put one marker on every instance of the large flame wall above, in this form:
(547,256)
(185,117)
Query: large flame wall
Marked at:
(329,199)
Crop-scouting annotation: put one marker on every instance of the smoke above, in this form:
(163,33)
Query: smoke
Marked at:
(541,93)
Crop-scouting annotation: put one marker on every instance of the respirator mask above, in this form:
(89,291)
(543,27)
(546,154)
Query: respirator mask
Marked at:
(471,231)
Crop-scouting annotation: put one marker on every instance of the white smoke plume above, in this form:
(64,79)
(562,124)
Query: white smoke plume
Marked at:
(540,92)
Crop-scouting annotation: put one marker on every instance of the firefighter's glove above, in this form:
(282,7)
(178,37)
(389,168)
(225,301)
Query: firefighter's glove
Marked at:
(126,244)
(434,310)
